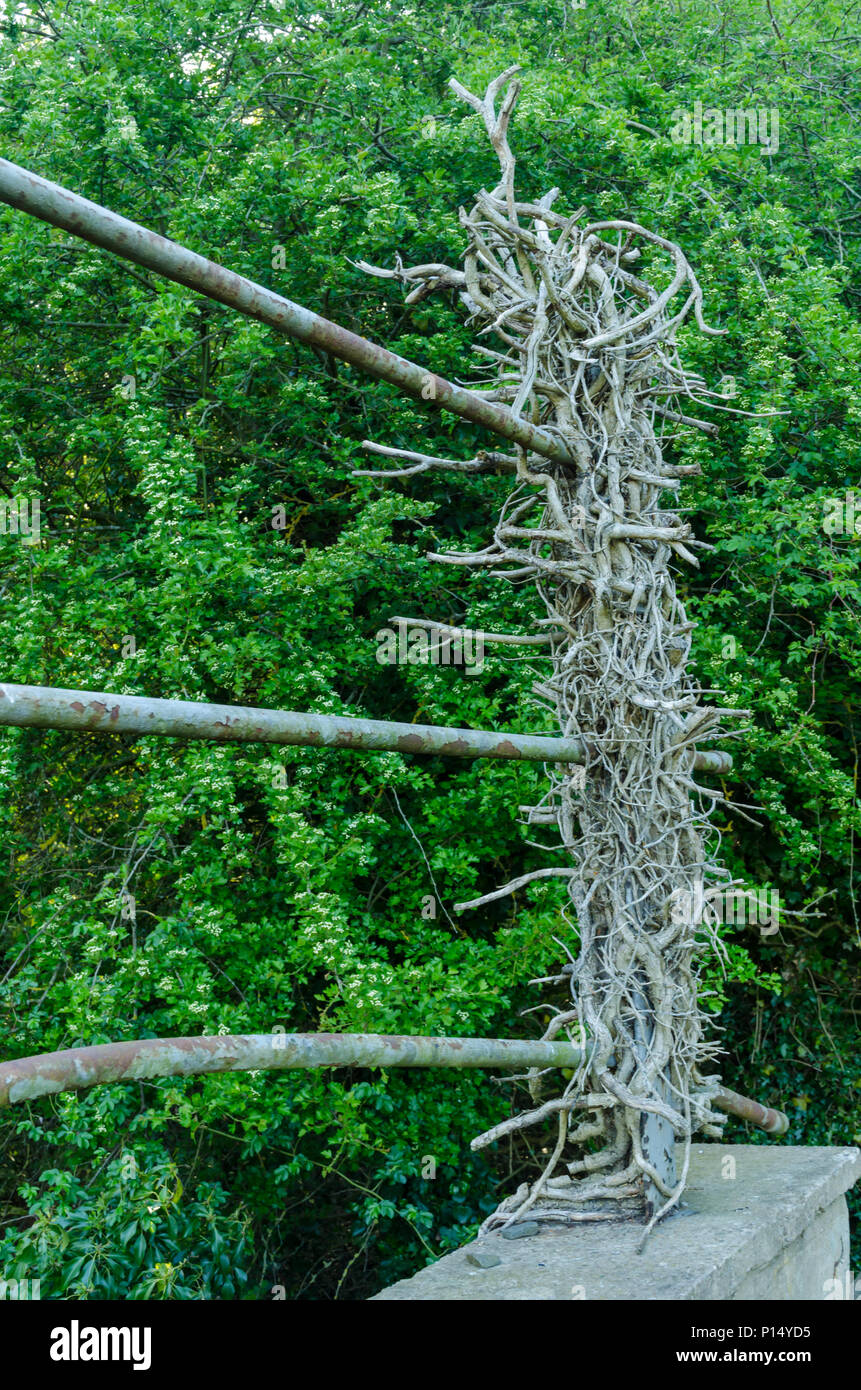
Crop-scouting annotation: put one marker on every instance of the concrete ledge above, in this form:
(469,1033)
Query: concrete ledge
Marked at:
(758,1222)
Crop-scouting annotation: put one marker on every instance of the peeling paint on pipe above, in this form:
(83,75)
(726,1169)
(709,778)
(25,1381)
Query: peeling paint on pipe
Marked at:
(75,1069)
(90,711)
(58,206)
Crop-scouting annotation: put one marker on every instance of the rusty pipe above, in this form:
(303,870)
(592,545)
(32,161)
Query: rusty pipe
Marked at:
(59,207)
(762,1116)
(75,1069)
(90,711)
(79,1067)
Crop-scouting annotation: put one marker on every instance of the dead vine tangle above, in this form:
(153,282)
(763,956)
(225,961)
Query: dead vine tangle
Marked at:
(589,354)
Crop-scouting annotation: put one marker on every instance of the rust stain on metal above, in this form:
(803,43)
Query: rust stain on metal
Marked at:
(456,748)
(344,738)
(507,749)
(410,743)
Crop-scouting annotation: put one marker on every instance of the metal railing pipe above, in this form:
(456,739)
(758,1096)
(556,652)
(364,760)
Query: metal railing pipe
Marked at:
(75,1069)
(90,711)
(58,206)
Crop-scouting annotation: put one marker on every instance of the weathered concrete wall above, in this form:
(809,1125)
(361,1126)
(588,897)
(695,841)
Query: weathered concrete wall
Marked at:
(758,1221)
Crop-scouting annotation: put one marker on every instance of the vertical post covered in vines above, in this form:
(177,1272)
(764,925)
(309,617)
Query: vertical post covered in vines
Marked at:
(584,347)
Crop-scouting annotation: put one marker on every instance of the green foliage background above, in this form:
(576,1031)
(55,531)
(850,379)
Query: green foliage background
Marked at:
(239,128)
